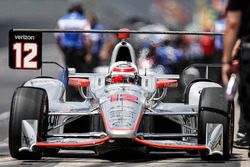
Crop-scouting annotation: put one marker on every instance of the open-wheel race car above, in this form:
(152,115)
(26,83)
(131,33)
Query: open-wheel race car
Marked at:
(122,109)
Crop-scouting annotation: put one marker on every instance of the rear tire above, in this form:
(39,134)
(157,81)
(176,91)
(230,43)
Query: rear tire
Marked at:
(214,108)
(28,103)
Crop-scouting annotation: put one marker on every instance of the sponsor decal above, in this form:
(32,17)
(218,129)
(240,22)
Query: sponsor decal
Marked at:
(25,50)
(124,97)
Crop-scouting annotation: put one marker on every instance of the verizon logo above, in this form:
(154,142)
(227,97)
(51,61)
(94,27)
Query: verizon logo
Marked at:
(25,37)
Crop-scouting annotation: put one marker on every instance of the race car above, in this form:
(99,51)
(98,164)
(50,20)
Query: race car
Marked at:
(123,109)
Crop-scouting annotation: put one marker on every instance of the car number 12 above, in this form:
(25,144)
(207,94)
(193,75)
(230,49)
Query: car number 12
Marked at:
(25,54)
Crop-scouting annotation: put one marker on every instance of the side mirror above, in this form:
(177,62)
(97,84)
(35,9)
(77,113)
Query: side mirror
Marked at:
(166,84)
(79,82)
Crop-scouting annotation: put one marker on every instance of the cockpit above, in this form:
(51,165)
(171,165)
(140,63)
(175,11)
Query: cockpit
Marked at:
(122,68)
(124,72)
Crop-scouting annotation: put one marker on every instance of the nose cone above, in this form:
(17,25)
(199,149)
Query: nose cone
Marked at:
(122,109)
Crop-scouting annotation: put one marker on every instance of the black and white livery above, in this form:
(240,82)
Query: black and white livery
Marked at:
(121,109)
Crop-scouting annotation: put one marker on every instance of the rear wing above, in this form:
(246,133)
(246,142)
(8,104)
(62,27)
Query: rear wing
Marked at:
(25,45)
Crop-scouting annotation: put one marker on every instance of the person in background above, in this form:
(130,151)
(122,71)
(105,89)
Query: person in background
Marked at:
(238,27)
(207,45)
(98,40)
(105,53)
(207,42)
(241,141)
(76,47)
(219,26)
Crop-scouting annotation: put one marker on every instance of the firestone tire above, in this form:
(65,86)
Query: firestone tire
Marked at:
(214,108)
(28,103)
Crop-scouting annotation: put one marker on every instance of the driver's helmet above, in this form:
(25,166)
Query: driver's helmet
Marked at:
(123,72)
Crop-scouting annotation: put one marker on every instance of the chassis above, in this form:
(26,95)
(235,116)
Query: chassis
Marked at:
(120,116)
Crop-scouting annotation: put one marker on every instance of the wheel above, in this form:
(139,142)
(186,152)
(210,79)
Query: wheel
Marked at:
(215,109)
(28,103)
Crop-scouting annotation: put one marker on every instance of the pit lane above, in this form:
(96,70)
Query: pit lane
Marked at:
(10,79)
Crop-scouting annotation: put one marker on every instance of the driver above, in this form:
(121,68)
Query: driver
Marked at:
(123,72)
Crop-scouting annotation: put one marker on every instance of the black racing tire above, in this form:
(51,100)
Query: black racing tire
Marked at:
(28,103)
(214,108)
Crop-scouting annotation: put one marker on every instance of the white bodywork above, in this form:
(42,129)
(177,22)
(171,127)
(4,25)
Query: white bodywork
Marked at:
(122,107)
(196,89)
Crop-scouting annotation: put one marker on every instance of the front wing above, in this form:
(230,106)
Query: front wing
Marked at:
(214,142)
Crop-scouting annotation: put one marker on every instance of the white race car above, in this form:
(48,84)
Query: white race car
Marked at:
(122,109)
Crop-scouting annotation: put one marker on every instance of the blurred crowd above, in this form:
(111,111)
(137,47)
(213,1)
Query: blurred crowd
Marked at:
(168,53)
(174,53)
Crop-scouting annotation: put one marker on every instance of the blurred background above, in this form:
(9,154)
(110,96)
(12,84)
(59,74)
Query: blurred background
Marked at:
(165,54)
(195,15)
(192,15)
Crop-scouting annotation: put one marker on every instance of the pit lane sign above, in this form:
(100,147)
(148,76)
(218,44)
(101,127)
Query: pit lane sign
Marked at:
(25,50)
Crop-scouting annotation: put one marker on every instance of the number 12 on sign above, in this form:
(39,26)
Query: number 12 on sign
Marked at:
(25,53)
(25,50)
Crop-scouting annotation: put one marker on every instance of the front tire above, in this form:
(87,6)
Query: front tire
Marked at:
(28,103)
(215,109)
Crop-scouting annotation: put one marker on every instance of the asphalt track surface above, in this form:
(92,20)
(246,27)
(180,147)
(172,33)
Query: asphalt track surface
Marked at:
(27,14)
